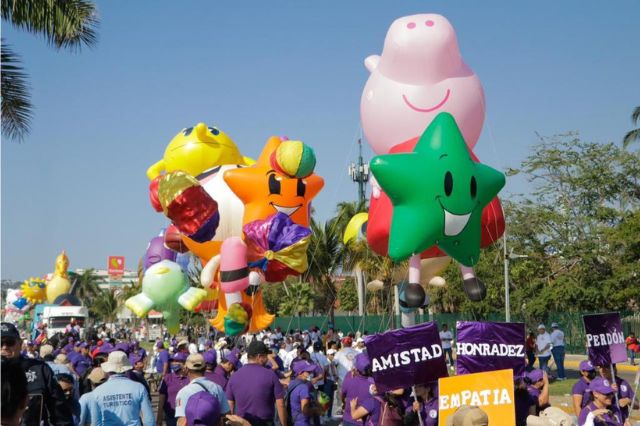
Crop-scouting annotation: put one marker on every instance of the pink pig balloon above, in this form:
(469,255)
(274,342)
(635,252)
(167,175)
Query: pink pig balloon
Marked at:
(419,74)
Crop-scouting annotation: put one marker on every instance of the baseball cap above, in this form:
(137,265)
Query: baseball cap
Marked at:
(468,416)
(541,326)
(347,341)
(159,345)
(202,409)
(122,346)
(554,325)
(535,375)
(601,385)
(209,357)
(179,357)
(257,348)
(362,362)
(9,330)
(586,366)
(300,367)
(182,343)
(331,352)
(195,362)
(359,340)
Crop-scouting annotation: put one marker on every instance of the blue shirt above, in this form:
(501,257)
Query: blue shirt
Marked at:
(192,388)
(120,402)
(85,407)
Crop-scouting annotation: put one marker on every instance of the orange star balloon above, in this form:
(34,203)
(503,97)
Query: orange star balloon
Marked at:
(266,191)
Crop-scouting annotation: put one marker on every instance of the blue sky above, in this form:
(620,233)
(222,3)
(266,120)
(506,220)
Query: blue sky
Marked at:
(279,67)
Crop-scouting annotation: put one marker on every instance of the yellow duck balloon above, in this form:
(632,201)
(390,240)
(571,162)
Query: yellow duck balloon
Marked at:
(197,149)
(59,284)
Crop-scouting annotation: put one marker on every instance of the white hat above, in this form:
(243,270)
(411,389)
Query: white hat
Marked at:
(331,352)
(118,362)
(359,340)
(554,325)
(541,326)
(183,342)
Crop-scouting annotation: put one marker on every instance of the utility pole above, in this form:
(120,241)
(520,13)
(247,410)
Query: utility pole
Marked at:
(507,257)
(359,173)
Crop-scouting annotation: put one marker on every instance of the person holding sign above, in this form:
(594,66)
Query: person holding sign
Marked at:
(621,387)
(601,411)
(425,406)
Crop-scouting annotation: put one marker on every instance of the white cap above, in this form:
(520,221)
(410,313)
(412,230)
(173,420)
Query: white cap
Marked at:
(554,325)
(359,340)
(331,352)
(541,326)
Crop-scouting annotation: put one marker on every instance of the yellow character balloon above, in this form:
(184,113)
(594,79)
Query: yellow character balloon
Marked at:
(59,284)
(34,290)
(197,149)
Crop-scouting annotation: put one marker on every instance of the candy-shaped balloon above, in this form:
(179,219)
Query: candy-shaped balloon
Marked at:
(419,74)
(438,193)
(197,149)
(234,273)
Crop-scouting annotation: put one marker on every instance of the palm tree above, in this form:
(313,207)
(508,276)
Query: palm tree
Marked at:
(65,24)
(325,258)
(86,286)
(634,134)
(302,303)
(105,306)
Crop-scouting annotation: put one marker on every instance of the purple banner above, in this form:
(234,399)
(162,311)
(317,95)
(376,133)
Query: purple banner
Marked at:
(406,357)
(488,346)
(605,340)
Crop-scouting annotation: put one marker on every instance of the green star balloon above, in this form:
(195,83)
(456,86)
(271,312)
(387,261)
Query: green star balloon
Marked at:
(438,193)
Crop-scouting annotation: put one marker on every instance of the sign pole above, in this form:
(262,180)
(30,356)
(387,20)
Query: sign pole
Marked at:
(613,379)
(415,398)
(635,392)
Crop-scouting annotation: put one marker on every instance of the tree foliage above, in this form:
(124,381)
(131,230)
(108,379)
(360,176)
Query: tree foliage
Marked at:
(300,299)
(348,296)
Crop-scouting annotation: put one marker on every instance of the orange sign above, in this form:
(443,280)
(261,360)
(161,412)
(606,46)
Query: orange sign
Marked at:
(115,266)
(492,391)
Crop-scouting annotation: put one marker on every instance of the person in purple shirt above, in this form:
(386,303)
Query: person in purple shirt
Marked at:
(171,384)
(162,363)
(426,405)
(356,385)
(136,352)
(539,388)
(220,374)
(83,361)
(622,387)
(368,409)
(253,390)
(300,394)
(580,393)
(525,403)
(602,411)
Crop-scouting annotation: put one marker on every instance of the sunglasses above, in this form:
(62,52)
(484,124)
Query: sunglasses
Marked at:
(8,341)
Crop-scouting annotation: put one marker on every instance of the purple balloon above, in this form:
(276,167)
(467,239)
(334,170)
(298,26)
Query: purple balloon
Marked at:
(157,251)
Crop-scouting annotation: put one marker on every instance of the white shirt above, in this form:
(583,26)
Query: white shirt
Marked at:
(557,338)
(543,340)
(446,337)
(344,361)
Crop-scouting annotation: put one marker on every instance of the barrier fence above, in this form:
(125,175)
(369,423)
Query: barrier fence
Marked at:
(570,323)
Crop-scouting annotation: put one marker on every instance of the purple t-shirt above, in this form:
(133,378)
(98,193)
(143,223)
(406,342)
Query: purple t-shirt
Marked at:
(170,386)
(218,376)
(354,386)
(254,389)
(429,412)
(301,391)
(163,357)
(613,418)
(582,388)
(374,407)
(624,391)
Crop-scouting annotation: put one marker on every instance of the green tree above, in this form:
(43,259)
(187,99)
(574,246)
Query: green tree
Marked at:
(348,296)
(105,306)
(300,300)
(86,286)
(633,135)
(272,295)
(64,24)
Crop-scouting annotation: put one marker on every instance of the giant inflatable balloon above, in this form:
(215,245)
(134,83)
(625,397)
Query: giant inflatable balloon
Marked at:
(157,251)
(165,288)
(419,74)
(59,284)
(438,193)
(34,290)
(197,149)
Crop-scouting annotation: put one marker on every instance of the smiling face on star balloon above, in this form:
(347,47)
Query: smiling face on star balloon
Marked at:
(266,189)
(438,193)
(419,75)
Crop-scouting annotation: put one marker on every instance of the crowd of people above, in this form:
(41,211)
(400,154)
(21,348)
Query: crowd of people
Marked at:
(271,378)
